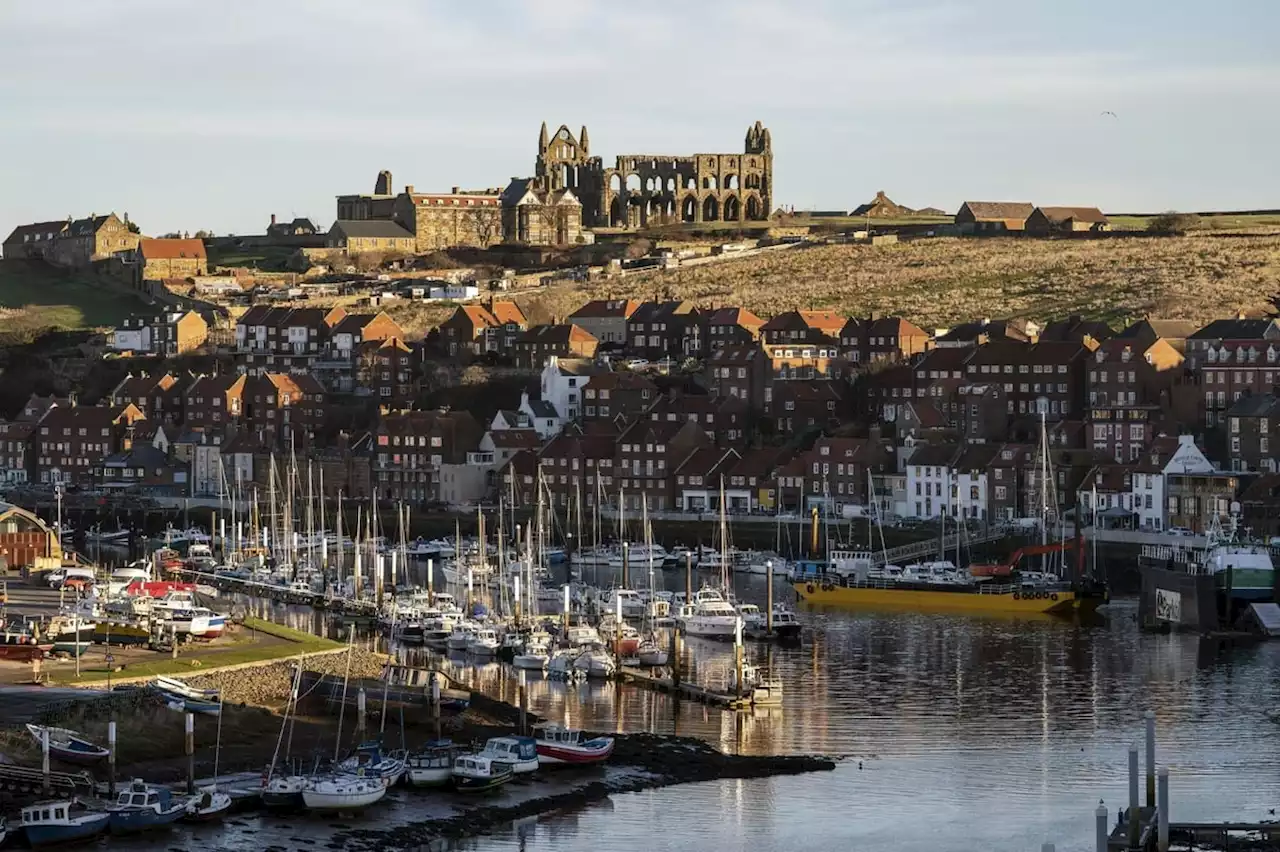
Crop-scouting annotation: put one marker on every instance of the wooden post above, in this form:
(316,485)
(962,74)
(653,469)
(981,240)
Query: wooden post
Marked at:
(213,530)
(617,628)
(435,701)
(430,579)
(360,709)
(1134,813)
(626,565)
(44,762)
(688,577)
(1101,834)
(1162,820)
(111,759)
(566,612)
(1150,718)
(191,753)
(768,613)
(521,702)
(674,656)
(737,654)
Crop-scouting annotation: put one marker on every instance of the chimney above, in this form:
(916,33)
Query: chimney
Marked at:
(456,190)
(273,219)
(408,189)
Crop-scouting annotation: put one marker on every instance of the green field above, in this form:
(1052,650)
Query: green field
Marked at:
(193,661)
(266,258)
(1209,222)
(36,296)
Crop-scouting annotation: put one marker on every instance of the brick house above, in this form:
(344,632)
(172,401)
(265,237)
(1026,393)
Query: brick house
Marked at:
(984,331)
(798,362)
(384,368)
(169,333)
(1045,376)
(741,371)
(724,419)
(141,467)
(647,451)
(477,329)
(579,468)
(410,447)
(656,330)
(157,397)
(535,346)
(15,458)
(796,406)
(756,473)
(993,217)
(212,403)
(535,215)
(723,327)
(272,339)
(517,478)
(699,478)
(791,327)
(171,258)
(282,410)
(83,241)
(892,339)
(837,471)
(1044,221)
(1253,433)
(605,319)
(70,440)
(1129,391)
(353,237)
(610,395)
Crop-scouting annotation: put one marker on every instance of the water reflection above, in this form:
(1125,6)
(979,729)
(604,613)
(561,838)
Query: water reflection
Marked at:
(971,732)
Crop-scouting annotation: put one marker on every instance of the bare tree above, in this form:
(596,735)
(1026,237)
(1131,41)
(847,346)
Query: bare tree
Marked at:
(488,226)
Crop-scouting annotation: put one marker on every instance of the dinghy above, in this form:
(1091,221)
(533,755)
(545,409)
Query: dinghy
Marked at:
(68,746)
(208,806)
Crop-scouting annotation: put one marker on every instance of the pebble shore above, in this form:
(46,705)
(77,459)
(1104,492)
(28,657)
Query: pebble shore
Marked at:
(269,685)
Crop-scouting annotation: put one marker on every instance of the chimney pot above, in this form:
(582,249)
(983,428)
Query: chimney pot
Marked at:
(408,189)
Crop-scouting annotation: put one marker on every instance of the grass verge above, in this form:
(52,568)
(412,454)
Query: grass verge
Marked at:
(93,668)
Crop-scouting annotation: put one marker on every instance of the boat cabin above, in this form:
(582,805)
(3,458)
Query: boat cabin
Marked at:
(51,812)
(511,748)
(473,764)
(559,734)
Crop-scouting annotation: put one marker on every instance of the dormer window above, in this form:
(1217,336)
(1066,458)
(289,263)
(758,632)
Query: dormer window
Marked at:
(1239,355)
(1212,355)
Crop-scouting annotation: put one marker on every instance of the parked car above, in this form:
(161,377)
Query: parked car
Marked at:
(1179,531)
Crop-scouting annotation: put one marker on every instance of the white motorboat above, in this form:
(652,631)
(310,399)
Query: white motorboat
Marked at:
(632,604)
(462,635)
(640,556)
(536,654)
(760,563)
(485,643)
(520,753)
(595,663)
(433,767)
(561,665)
(342,793)
(582,634)
(752,617)
(713,617)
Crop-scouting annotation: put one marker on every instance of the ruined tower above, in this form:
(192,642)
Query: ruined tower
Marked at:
(383,185)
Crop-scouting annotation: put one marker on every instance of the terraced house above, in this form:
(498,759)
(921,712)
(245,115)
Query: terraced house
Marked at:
(170,258)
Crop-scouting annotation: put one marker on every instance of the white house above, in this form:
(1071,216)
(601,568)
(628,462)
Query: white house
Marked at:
(455,292)
(133,335)
(546,420)
(930,478)
(562,382)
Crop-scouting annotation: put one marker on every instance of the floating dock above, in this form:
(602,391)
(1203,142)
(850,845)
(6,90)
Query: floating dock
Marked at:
(691,691)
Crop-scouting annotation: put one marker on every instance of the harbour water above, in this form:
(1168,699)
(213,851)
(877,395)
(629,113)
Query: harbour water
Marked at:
(957,732)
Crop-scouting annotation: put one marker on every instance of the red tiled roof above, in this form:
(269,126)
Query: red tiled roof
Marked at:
(171,249)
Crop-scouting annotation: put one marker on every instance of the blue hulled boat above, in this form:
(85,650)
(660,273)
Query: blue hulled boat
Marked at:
(64,821)
(370,761)
(143,807)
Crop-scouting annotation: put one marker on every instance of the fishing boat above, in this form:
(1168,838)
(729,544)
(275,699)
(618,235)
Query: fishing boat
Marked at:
(558,745)
(61,822)
(209,805)
(785,626)
(120,632)
(22,646)
(485,643)
(433,766)
(626,639)
(370,761)
(283,792)
(520,753)
(184,697)
(68,746)
(142,807)
(473,773)
(343,793)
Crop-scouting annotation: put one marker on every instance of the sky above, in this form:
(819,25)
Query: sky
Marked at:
(198,115)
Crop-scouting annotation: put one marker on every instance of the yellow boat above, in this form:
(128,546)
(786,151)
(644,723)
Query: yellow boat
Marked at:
(977,597)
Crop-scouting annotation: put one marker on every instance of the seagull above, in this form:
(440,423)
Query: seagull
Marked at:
(1110,113)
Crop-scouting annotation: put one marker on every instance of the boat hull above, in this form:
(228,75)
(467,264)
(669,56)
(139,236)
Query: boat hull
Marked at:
(136,821)
(344,802)
(430,777)
(481,783)
(582,754)
(1028,602)
(44,836)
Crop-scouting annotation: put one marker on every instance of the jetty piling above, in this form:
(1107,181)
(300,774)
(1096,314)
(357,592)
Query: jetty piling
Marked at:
(688,577)
(47,781)
(111,758)
(191,752)
(768,606)
(360,709)
(1134,813)
(1102,835)
(521,700)
(1162,811)
(1150,718)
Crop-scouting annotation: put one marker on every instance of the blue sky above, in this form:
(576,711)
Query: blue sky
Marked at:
(196,115)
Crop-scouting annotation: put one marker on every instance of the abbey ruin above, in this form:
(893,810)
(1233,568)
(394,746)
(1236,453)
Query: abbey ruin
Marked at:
(654,189)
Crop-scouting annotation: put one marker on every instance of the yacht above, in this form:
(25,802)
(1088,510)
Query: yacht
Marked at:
(640,556)
(631,604)
(536,653)
(485,643)
(752,617)
(595,663)
(713,617)
(462,635)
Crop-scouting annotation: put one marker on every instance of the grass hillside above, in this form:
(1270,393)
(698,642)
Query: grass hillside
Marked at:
(34,296)
(938,282)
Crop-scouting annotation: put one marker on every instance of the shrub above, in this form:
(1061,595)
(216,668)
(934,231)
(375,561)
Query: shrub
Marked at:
(1173,224)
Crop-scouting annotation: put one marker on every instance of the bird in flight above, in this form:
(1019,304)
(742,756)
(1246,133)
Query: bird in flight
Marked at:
(1110,113)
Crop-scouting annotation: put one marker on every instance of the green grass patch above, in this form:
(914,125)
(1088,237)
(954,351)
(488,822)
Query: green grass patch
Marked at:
(36,295)
(266,258)
(93,668)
